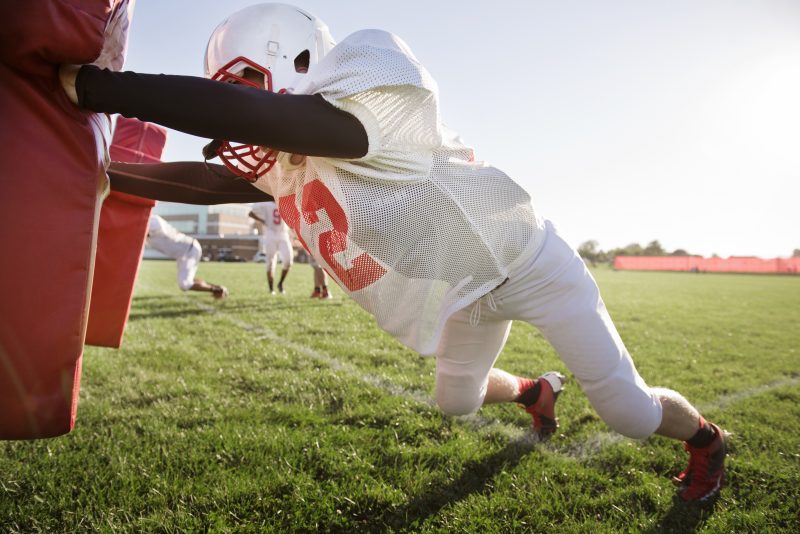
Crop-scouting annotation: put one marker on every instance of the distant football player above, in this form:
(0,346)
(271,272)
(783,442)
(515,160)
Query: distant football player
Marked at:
(320,282)
(186,251)
(274,241)
(443,249)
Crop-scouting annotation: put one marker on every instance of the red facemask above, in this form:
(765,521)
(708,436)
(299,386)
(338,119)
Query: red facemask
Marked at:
(248,161)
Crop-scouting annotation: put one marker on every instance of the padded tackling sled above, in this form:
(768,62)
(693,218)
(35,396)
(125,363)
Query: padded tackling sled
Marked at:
(123,229)
(51,188)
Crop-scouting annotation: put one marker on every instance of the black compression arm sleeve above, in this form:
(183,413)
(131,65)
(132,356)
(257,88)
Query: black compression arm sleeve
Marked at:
(187,182)
(298,124)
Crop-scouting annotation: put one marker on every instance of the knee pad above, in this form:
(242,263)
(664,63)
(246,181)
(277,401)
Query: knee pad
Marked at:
(625,402)
(459,395)
(185,282)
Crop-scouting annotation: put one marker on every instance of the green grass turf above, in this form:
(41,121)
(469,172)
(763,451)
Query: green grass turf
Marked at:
(276,414)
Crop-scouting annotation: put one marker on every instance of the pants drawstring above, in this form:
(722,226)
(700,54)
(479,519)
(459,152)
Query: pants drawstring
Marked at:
(475,313)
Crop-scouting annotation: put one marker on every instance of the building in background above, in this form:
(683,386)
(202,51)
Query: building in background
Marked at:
(225,231)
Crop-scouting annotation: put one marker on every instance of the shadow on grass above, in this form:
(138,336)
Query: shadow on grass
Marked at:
(474,479)
(685,516)
(168,308)
(165,307)
(277,304)
(164,313)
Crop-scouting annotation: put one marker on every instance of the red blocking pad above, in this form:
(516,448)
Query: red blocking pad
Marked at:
(120,241)
(51,187)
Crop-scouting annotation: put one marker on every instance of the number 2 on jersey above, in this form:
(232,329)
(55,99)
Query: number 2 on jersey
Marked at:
(316,197)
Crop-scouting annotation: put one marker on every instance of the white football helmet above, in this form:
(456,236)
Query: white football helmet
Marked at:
(279,41)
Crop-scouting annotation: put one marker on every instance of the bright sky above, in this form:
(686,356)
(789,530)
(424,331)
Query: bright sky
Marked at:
(626,120)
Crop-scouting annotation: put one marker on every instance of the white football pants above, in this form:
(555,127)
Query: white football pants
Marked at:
(188,265)
(274,247)
(557,294)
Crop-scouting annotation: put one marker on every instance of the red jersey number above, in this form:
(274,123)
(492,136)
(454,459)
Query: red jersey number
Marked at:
(316,197)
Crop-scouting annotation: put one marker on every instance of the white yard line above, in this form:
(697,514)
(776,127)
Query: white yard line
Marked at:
(337,365)
(732,398)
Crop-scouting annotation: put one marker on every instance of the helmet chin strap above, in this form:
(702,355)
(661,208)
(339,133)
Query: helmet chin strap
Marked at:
(211,150)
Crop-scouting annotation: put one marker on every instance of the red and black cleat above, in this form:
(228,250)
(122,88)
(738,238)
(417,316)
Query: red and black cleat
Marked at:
(543,411)
(705,475)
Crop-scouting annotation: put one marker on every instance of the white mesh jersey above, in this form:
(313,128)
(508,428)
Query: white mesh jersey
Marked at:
(167,239)
(274,227)
(414,230)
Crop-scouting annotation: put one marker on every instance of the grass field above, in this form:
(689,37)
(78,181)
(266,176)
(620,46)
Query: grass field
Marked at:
(286,414)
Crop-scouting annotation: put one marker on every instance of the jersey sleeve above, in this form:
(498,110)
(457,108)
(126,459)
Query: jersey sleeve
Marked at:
(374,76)
(259,210)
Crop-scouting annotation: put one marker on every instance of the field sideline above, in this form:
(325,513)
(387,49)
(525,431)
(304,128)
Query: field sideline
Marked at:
(282,413)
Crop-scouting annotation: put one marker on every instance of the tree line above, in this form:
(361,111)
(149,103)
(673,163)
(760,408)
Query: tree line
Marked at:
(591,252)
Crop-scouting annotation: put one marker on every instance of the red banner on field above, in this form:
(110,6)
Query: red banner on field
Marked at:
(734,264)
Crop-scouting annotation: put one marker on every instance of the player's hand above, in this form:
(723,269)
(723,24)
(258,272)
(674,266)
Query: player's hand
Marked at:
(115,37)
(112,55)
(67,75)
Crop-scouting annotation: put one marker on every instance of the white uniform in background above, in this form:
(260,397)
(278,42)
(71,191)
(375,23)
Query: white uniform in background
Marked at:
(275,239)
(443,250)
(169,241)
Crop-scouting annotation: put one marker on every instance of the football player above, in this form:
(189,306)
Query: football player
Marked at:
(320,282)
(444,250)
(275,241)
(186,251)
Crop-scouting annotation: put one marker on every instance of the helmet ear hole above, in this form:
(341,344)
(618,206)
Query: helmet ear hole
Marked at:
(302,61)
